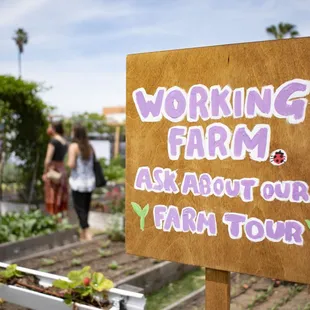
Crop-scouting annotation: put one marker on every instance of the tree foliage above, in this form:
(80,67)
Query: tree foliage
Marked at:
(24,115)
(282,30)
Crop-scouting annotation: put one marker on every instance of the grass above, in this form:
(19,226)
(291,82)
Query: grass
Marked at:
(176,290)
(105,253)
(77,252)
(76,262)
(47,262)
(293,291)
(307,306)
(261,297)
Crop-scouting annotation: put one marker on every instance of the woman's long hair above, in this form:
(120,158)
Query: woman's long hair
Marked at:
(80,137)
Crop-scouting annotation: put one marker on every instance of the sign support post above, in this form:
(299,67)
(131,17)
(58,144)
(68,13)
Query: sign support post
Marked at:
(217,289)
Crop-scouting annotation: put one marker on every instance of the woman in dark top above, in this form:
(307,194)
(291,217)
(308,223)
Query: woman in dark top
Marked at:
(56,187)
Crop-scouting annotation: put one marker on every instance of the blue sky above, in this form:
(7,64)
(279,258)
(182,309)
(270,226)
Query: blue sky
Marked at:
(79,47)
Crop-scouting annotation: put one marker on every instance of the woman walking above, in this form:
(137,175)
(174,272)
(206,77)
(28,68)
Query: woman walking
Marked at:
(82,178)
(55,176)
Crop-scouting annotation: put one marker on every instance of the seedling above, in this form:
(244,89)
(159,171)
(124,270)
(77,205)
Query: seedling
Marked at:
(9,273)
(77,252)
(130,272)
(114,265)
(47,262)
(105,244)
(104,253)
(83,283)
(76,262)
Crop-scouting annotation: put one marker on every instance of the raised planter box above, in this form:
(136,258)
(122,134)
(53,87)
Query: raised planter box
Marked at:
(105,221)
(154,278)
(14,250)
(121,299)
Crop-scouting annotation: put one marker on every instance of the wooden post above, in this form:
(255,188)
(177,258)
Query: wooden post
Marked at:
(116,141)
(217,289)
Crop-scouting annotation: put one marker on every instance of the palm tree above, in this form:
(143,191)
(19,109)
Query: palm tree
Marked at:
(21,39)
(283,30)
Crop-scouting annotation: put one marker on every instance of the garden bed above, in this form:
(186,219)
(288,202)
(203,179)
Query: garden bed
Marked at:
(108,257)
(37,290)
(18,249)
(250,292)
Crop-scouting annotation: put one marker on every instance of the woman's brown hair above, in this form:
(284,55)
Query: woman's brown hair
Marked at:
(58,127)
(81,138)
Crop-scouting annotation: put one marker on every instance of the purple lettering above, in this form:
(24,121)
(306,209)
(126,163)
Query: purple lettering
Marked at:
(218,141)
(175,104)
(218,186)
(206,222)
(267,191)
(254,230)
(195,143)
(220,101)
(188,219)
(198,107)
(172,219)
(143,179)
(259,104)
(255,142)
(205,184)
(293,232)
(149,109)
(247,188)
(293,110)
(159,214)
(300,192)
(176,139)
(238,102)
(234,222)
(275,231)
(232,188)
(190,184)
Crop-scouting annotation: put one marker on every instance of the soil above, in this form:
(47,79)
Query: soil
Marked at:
(32,283)
(90,254)
(249,292)
(115,264)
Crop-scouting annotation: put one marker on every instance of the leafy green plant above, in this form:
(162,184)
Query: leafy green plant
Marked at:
(104,253)
(47,262)
(113,265)
(83,283)
(115,171)
(76,262)
(9,273)
(105,244)
(77,252)
(16,226)
(142,213)
(116,233)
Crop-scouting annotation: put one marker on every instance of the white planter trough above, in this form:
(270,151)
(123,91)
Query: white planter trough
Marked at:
(106,221)
(120,299)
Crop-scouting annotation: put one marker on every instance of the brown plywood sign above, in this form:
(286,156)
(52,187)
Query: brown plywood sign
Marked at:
(218,166)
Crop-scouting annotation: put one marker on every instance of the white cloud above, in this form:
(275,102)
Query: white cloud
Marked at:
(79,47)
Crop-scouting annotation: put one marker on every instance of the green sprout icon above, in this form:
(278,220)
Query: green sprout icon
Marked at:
(142,213)
(308,223)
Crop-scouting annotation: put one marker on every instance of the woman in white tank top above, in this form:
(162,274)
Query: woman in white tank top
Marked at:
(82,178)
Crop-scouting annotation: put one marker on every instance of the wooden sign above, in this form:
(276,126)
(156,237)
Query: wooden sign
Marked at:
(218,167)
